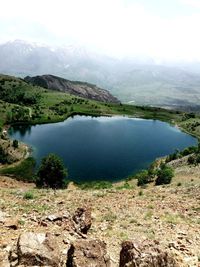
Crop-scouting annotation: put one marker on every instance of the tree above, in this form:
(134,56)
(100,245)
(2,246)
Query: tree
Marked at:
(143,178)
(52,172)
(165,175)
(15,143)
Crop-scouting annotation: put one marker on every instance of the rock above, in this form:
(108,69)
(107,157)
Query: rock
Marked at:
(2,216)
(4,262)
(82,89)
(146,254)
(37,249)
(12,224)
(54,217)
(83,219)
(88,253)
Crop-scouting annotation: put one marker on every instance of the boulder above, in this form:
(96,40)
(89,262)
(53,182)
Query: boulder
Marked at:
(2,216)
(146,254)
(37,249)
(88,253)
(83,219)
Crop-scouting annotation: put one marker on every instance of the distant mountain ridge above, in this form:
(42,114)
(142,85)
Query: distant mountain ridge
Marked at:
(138,80)
(77,88)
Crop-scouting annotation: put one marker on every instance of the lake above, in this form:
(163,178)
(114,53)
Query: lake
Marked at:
(103,148)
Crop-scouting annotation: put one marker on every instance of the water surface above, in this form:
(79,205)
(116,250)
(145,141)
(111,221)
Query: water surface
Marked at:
(103,148)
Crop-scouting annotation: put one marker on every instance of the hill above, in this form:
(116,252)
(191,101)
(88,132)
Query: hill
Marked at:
(139,81)
(81,89)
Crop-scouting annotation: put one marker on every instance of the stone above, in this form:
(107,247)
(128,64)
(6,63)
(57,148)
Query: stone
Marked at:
(146,254)
(88,253)
(83,219)
(12,224)
(2,216)
(37,249)
(4,261)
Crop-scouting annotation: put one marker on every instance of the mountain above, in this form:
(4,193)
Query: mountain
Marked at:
(138,80)
(77,88)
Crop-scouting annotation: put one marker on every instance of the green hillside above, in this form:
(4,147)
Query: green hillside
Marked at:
(21,102)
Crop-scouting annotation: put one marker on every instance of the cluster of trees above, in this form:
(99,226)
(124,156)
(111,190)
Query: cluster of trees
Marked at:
(193,151)
(18,113)
(17,95)
(162,175)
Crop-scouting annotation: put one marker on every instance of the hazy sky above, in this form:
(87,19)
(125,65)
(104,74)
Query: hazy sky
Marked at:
(159,28)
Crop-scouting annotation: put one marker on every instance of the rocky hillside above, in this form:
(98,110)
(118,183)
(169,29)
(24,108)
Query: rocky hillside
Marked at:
(116,227)
(77,88)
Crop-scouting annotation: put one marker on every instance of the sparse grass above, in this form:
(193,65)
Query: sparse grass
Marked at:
(95,185)
(148,215)
(126,185)
(21,222)
(109,217)
(29,195)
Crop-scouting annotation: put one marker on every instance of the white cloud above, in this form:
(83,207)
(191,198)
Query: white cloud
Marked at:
(117,27)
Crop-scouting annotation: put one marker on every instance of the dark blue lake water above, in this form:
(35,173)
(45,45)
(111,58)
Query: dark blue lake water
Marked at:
(103,148)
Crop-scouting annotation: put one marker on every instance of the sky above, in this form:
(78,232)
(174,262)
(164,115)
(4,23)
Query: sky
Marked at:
(162,29)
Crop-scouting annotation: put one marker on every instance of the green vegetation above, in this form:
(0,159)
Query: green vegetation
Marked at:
(52,106)
(23,103)
(52,172)
(3,156)
(95,185)
(15,143)
(29,195)
(23,171)
(164,175)
(143,178)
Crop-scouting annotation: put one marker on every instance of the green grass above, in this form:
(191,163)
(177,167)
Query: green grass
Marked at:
(23,171)
(28,195)
(95,185)
(53,106)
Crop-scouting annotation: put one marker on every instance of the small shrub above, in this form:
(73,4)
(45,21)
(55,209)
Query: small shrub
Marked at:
(15,143)
(179,184)
(165,175)
(29,195)
(143,178)
(191,159)
(140,193)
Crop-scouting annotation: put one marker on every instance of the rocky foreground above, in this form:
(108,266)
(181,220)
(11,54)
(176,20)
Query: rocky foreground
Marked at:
(117,227)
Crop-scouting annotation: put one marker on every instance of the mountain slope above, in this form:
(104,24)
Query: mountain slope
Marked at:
(81,89)
(132,80)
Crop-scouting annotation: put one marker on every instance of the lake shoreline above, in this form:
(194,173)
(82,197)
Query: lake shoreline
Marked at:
(125,177)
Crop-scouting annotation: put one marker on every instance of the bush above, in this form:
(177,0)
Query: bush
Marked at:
(191,159)
(29,195)
(52,172)
(3,156)
(165,175)
(143,178)
(15,143)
